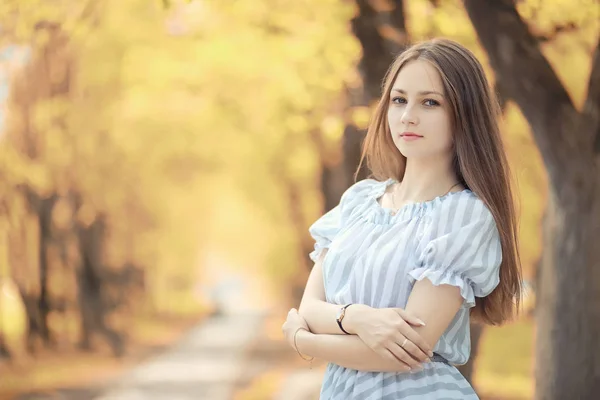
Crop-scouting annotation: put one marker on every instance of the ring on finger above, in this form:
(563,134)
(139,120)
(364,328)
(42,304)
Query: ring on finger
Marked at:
(403,343)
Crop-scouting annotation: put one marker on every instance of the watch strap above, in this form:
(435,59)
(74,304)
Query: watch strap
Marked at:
(341,318)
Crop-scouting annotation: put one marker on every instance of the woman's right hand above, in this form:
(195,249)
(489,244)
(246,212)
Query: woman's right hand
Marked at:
(385,331)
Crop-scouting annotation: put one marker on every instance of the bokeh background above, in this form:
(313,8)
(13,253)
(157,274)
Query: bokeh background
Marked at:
(161,161)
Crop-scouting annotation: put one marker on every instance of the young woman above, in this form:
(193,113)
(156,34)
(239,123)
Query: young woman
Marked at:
(409,257)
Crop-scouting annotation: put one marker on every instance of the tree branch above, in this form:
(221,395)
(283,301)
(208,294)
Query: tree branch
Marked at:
(551,34)
(527,77)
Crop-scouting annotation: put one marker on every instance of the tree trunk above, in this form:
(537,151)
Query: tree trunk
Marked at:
(568,310)
(89,278)
(334,181)
(32,311)
(4,351)
(45,77)
(382,36)
(568,325)
(25,272)
(467,369)
(298,221)
(45,237)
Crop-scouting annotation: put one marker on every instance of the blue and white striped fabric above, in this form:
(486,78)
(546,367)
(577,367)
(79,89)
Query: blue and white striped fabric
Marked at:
(375,257)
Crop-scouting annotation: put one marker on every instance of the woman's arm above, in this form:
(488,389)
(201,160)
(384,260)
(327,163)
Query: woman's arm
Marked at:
(347,351)
(436,305)
(318,313)
(320,316)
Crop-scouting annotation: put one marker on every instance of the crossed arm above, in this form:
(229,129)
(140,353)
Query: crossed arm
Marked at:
(435,305)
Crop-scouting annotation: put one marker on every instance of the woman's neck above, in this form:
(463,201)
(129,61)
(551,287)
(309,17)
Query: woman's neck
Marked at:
(425,179)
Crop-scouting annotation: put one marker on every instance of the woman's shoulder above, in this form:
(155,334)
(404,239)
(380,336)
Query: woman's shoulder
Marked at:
(465,204)
(364,188)
(359,195)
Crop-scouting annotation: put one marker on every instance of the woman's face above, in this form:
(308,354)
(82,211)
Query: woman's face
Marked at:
(419,113)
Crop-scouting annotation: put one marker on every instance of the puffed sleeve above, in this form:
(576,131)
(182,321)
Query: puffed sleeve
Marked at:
(462,248)
(325,229)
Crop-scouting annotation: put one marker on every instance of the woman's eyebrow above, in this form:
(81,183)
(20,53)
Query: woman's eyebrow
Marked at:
(422,93)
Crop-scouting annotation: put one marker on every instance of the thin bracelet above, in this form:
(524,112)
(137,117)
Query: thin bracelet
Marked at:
(296,346)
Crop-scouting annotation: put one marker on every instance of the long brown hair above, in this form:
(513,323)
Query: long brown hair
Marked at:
(479,160)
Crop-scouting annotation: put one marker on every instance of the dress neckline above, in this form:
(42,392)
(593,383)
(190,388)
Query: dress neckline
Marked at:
(410,208)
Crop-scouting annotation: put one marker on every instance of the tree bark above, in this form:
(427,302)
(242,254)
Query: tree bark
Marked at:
(568,310)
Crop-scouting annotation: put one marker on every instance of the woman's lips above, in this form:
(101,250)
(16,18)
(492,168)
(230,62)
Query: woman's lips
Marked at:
(409,136)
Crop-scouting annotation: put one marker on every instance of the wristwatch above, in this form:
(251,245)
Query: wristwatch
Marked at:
(340,317)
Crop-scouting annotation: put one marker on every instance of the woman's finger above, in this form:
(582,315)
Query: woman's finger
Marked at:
(409,318)
(403,356)
(405,329)
(414,337)
(385,353)
(413,350)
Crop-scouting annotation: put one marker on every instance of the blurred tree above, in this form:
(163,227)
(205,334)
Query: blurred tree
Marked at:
(568,309)
(291,61)
(380,28)
(91,182)
(39,115)
(48,79)
(142,115)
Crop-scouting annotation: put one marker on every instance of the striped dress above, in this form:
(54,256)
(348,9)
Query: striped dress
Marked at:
(375,257)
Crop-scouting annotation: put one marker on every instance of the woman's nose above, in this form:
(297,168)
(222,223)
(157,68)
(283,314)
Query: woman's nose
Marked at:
(408,116)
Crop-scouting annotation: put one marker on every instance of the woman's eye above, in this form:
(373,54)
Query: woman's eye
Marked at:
(431,103)
(399,100)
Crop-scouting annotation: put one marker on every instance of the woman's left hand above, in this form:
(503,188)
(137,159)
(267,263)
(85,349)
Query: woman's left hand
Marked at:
(291,325)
